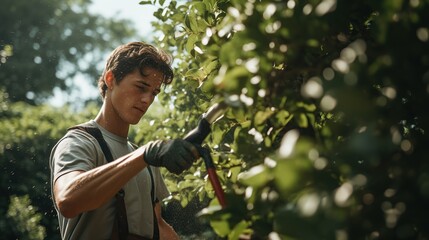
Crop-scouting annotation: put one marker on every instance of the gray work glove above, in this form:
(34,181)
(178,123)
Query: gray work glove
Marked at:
(176,155)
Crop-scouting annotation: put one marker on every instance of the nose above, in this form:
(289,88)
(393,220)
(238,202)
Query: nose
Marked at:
(147,98)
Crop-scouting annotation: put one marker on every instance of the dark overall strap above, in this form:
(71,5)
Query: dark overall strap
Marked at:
(120,204)
(154,201)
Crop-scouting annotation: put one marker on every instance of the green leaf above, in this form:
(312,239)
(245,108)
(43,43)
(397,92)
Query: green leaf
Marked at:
(262,116)
(238,230)
(187,21)
(283,117)
(201,194)
(306,106)
(217,135)
(302,120)
(185,184)
(200,7)
(220,227)
(190,43)
(178,17)
(195,74)
(208,68)
(285,176)
(193,22)
(256,177)
(313,43)
(237,114)
(184,202)
(234,79)
(146,2)
(233,174)
(210,5)
(208,188)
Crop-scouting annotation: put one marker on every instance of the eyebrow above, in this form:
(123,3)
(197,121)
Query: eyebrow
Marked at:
(148,85)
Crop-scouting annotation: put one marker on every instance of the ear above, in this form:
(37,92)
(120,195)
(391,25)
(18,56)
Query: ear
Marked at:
(109,79)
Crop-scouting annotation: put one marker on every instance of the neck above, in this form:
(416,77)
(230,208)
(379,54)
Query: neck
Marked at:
(111,122)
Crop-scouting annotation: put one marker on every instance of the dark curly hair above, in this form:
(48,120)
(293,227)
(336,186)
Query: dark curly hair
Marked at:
(126,58)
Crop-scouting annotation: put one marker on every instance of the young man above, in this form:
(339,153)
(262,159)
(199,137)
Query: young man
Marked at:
(84,184)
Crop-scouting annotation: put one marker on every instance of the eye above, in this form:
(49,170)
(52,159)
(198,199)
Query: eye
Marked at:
(144,88)
(141,87)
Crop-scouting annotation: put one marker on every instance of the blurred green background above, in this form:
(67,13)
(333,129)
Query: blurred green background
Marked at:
(326,135)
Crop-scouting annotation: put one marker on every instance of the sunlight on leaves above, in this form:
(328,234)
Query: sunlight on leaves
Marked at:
(288,143)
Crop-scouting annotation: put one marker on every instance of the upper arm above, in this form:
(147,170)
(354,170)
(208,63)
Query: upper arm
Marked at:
(74,152)
(71,156)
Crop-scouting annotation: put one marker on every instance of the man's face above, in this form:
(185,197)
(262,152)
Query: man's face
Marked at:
(132,96)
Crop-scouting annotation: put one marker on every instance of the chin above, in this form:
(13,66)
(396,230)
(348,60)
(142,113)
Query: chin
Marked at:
(134,121)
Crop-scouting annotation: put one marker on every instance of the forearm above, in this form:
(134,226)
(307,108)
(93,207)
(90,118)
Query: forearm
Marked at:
(86,191)
(165,230)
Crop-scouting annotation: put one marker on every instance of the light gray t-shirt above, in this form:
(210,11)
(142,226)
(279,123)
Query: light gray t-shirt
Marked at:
(78,150)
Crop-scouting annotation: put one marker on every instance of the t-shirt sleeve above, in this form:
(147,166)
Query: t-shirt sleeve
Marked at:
(161,189)
(75,152)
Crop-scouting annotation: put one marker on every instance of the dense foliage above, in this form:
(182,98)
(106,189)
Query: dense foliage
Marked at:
(45,43)
(327,128)
(28,134)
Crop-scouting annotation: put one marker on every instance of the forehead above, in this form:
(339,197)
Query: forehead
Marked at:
(148,75)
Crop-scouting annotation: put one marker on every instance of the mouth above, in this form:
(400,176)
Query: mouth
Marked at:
(140,109)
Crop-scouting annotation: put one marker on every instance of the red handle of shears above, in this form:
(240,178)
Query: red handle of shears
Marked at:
(214,180)
(217,187)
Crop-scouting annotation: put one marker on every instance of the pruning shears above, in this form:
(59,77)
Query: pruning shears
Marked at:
(197,136)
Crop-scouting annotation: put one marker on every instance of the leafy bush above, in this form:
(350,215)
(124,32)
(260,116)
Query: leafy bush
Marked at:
(28,134)
(327,126)
(25,219)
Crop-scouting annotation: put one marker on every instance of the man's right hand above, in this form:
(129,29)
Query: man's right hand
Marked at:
(176,155)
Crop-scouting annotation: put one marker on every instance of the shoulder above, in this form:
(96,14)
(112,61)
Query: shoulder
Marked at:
(75,140)
(79,137)
(81,132)
(76,150)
